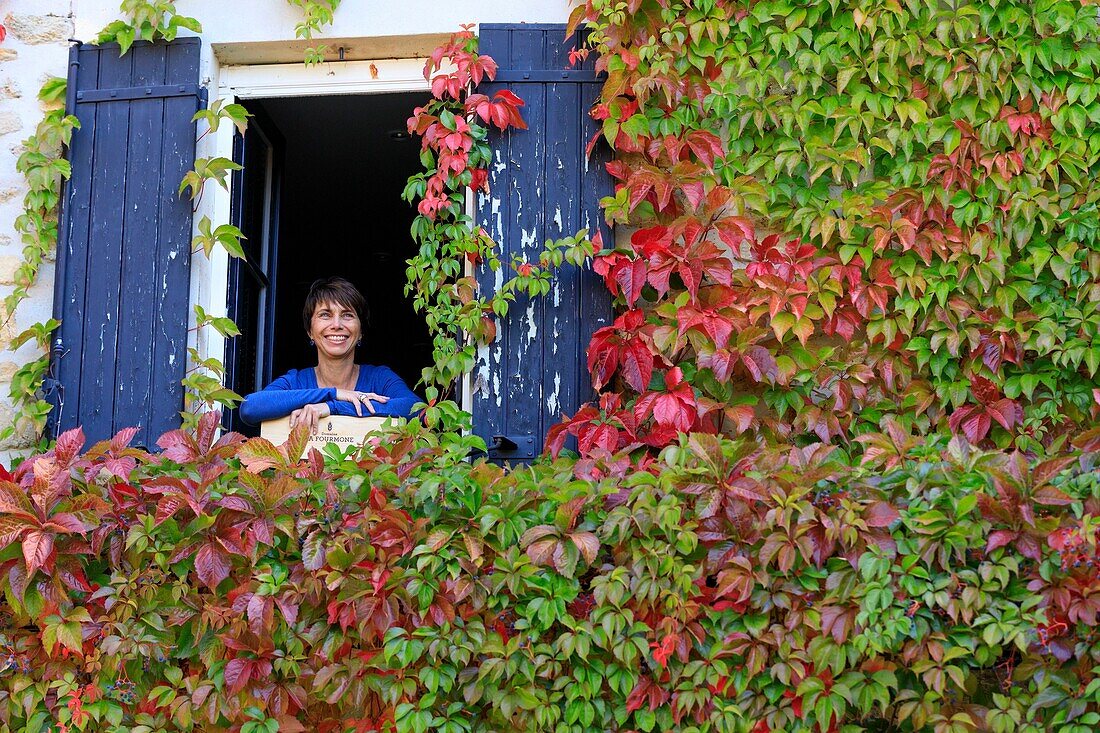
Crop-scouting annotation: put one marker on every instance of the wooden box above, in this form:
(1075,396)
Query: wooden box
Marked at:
(337,429)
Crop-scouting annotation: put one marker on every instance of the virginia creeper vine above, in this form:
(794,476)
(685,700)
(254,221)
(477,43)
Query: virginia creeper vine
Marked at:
(44,169)
(842,564)
(454,128)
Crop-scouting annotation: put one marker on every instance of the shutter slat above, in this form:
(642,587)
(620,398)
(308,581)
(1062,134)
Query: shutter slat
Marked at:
(124,271)
(169,353)
(540,188)
(134,393)
(72,264)
(562,219)
(101,301)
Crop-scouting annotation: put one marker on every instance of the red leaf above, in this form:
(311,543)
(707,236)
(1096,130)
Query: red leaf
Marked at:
(1029,547)
(66,523)
(972,421)
(14,500)
(238,673)
(637,364)
(984,390)
(123,438)
(880,514)
(12,528)
(74,578)
(669,411)
(719,361)
(976,427)
(68,446)
(636,699)
(1000,538)
(212,565)
(260,613)
(760,363)
(837,621)
(603,356)
(631,277)
(236,504)
(207,429)
(555,438)
(662,651)
(37,548)
(178,446)
(259,454)
(694,191)
(1050,496)
(588,545)
(166,507)
(651,240)
(1007,412)
(733,230)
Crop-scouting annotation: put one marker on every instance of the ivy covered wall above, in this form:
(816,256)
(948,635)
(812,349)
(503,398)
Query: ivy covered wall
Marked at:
(851,214)
(861,530)
(35,48)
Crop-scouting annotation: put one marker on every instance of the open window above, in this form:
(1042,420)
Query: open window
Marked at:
(319,196)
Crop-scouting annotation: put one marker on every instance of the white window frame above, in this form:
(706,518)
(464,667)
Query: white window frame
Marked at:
(210,277)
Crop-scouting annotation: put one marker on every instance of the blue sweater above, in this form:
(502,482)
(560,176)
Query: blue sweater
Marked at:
(298,388)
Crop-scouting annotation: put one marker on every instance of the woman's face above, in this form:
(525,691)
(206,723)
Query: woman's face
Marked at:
(335,329)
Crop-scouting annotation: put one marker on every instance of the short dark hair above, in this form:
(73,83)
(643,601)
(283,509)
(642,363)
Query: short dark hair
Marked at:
(334,290)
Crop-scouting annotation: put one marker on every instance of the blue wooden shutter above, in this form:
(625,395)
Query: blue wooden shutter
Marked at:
(124,255)
(542,186)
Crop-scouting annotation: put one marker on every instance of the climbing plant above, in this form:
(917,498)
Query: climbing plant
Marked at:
(849,214)
(454,128)
(720,557)
(204,381)
(43,167)
(318,14)
(145,20)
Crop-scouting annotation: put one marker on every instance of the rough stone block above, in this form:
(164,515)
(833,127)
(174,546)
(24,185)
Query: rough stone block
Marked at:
(8,194)
(37,29)
(9,123)
(7,333)
(10,90)
(7,371)
(7,54)
(23,437)
(8,265)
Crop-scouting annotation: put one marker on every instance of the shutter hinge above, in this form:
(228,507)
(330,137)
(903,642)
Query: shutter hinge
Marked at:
(145,92)
(512,446)
(557,76)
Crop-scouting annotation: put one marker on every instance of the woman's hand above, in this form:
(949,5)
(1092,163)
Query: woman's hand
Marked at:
(361,400)
(310,415)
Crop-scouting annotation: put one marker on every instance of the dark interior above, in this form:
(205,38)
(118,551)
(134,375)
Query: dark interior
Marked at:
(347,159)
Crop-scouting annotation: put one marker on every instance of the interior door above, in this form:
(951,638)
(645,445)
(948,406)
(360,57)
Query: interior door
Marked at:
(256,193)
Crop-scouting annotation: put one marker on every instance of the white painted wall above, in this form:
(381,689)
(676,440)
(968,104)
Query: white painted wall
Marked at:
(237,21)
(36,47)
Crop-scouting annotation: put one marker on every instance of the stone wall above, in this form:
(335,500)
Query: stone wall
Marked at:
(36,47)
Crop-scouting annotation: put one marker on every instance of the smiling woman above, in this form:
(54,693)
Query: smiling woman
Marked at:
(333,316)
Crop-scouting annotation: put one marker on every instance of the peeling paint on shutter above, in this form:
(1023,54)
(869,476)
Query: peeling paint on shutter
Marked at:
(542,186)
(123,269)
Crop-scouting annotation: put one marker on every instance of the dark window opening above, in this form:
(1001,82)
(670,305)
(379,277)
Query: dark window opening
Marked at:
(320,195)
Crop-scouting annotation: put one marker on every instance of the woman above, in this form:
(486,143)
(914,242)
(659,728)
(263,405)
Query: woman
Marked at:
(333,317)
